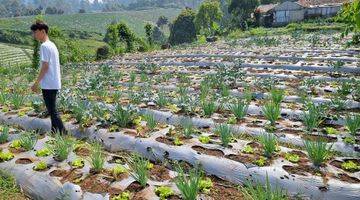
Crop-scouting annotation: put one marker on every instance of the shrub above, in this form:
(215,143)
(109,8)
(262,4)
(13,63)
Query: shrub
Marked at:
(318,151)
(183,30)
(103,52)
(269,141)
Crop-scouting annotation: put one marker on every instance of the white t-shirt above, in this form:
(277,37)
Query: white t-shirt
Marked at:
(52,79)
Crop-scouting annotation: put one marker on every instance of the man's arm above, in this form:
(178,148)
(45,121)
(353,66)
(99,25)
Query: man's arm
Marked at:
(43,70)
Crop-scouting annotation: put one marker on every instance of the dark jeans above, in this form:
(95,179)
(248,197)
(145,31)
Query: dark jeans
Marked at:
(50,103)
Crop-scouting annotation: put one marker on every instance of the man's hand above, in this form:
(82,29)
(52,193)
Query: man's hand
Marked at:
(35,87)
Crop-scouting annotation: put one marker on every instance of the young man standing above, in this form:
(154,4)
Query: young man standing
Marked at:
(49,77)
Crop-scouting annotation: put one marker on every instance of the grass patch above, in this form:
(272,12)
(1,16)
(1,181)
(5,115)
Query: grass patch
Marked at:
(8,187)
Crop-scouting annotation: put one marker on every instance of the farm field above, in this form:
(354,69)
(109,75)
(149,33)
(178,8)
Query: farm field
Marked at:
(277,111)
(12,55)
(94,22)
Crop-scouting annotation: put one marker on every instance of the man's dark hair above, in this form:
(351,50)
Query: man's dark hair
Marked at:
(39,25)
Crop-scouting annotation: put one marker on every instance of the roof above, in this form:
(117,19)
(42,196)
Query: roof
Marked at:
(265,8)
(311,3)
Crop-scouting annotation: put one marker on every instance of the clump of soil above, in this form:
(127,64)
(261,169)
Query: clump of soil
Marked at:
(212,152)
(347,178)
(324,138)
(303,170)
(165,140)
(94,183)
(159,173)
(82,151)
(58,173)
(135,187)
(224,190)
(24,161)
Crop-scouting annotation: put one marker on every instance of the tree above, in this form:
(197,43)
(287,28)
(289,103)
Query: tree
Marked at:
(241,11)
(157,35)
(126,35)
(148,30)
(112,36)
(350,15)
(183,30)
(162,21)
(208,17)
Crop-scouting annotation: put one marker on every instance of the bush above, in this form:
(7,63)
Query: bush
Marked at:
(103,52)
(183,28)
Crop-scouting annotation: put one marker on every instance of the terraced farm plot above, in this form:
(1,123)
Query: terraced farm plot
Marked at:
(10,55)
(282,115)
(94,22)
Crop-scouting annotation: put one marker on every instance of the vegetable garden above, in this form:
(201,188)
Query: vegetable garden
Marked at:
(216,121)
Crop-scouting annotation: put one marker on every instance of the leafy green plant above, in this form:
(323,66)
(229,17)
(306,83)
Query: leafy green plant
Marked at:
(4,135)
(350,166)
(123,117)
(271,111)
(43,152)
(118,169)
(205,185)
(187,127)
(28,140)
(318,151)
(61,147)
(276,96)
(78,163)
(177,141)
(209,107)
(294,158)
(352,123)
(189,185)
(331,131)
(139,169)
(311,118)
(248,149)
(259,191)
(123,196)
(15,144)
(150,122)
(349,140)
(239,109)
(164,192)
(40,166)
(269,142)
(17,100)
(6,156)
(97,157)
(161,99)
(261,161)
(225,134)
(204,139)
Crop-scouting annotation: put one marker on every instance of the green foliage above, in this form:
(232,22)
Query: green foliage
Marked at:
(4,135)
(204,139)
(189,185)
(331,131)
(272,112)
(43,152)
(112,36)
(6,156)
(248,149)
(352,123)
(241,11)
(61,147)
(40,166)
(150,122)
(187,127)
(209,107)
(126,35)
(78,163)
(350,166)
(17,100)
(118,169)
(208,17)
(239,109)
(183,30)
(312,118)
(123,117)
(294,158)
(139,169)
(164,192)
(277,96)
(205,185)
(318,151)
(28,140)
(225,134)
(260,162)
(257,191)
(15,144)
(123,196)
(269,142)
(148,31)
(97,157)
(350,15)
(103,52)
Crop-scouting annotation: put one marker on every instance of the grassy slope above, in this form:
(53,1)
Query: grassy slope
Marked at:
(94,22)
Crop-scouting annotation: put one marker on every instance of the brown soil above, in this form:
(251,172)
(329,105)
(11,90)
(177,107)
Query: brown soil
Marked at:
(16,151)
(319,137)
(118,177)
(58,173)
(347,178)
(337,163)
(212,152)
(254,145)
(224,190)
(247,158)
(291,131)
(165,140)
(134,187)
(118,160)
(70,176)
(303,170)
(96,184)
(23,161)
(82,151)
(159,173)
